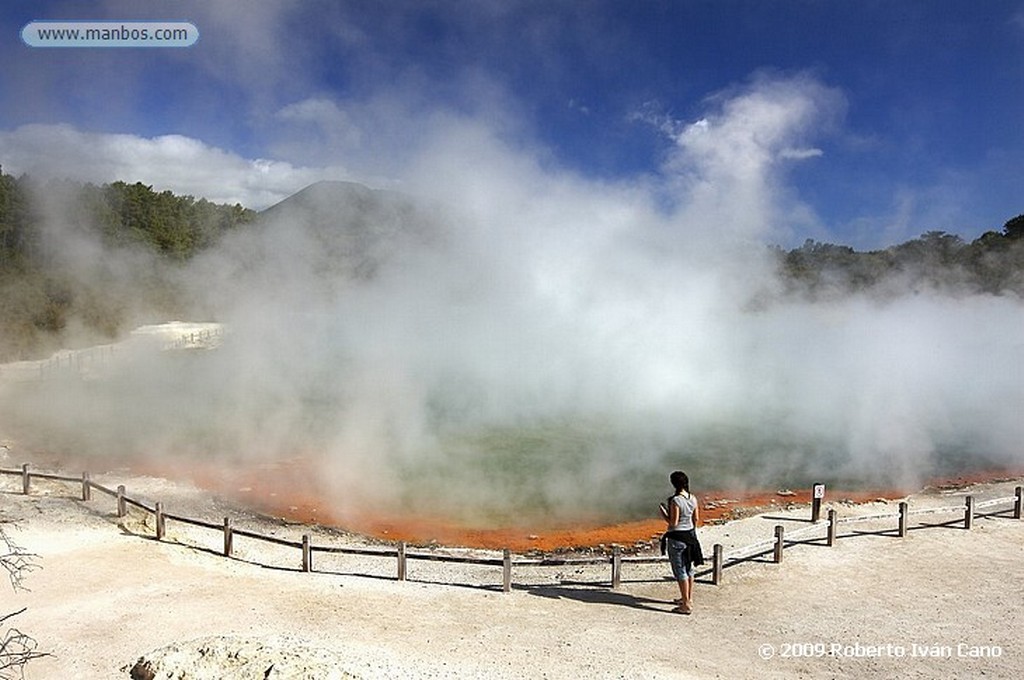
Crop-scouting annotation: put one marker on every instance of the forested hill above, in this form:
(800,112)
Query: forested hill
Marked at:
(938,261)
(83,263)
(89,259)
(122,214)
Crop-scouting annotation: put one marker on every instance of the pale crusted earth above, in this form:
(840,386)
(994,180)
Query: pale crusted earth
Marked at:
(106,594)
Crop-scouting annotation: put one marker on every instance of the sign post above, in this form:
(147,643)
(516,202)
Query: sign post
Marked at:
(817,495)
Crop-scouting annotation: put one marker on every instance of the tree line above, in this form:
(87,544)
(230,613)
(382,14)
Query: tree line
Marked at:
(92,259)
(88,258)
(936,261)
(176,227)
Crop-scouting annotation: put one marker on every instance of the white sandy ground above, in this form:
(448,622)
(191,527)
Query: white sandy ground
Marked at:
(106,595)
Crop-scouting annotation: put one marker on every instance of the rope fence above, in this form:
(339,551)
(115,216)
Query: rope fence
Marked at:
(964,515)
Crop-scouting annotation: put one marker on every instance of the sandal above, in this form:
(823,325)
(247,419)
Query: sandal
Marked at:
(682,610)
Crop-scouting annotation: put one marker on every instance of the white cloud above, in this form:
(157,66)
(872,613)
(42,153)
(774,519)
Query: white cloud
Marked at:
(755,126)
(330,120)
(652,113)
(554,303)
(1018,18)
(169,162)
(726,164)
(914,209)
(319,130)
(800,154)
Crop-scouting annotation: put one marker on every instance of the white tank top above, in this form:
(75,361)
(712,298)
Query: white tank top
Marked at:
(687,504)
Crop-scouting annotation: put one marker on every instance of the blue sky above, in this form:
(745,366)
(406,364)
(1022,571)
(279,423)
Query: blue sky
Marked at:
(865,123)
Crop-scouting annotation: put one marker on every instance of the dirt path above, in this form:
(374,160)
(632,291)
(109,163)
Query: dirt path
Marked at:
(941,602)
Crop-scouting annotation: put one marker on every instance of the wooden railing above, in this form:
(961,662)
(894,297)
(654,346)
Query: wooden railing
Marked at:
(89,361)
(720,559)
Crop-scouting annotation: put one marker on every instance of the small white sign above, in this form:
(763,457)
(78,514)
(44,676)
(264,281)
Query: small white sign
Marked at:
(819,490)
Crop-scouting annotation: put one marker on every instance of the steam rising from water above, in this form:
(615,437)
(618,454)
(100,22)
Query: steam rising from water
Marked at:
(517,340)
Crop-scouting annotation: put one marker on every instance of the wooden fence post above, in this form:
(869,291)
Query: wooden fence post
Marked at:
(159,521)
(121,509)
(307,554)
(1018,506)
(506,571)
(24,478)
(904,514)
(86,489)
(716,564)
(968,512)
(817,496)
(401,561)
(616,567)
(228,537)
(779,532)
(832,526)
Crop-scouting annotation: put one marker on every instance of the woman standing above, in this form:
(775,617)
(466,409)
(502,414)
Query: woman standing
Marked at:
(682,515)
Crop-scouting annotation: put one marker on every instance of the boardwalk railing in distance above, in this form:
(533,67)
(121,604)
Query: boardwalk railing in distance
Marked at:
(720,559)
(89,361)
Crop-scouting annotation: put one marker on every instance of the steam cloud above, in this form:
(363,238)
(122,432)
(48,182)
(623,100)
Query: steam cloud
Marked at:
(529,342)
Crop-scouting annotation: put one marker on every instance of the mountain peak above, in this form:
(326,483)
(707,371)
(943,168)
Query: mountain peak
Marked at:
(321,193)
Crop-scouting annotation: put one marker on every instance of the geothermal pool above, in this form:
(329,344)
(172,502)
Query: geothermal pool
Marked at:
(399,451)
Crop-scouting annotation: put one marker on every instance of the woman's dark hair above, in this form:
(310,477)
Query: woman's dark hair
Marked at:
(680,481)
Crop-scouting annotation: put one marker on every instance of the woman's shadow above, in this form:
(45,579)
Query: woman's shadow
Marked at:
(591,595)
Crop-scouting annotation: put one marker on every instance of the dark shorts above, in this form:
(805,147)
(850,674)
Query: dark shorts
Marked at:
(682,567)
